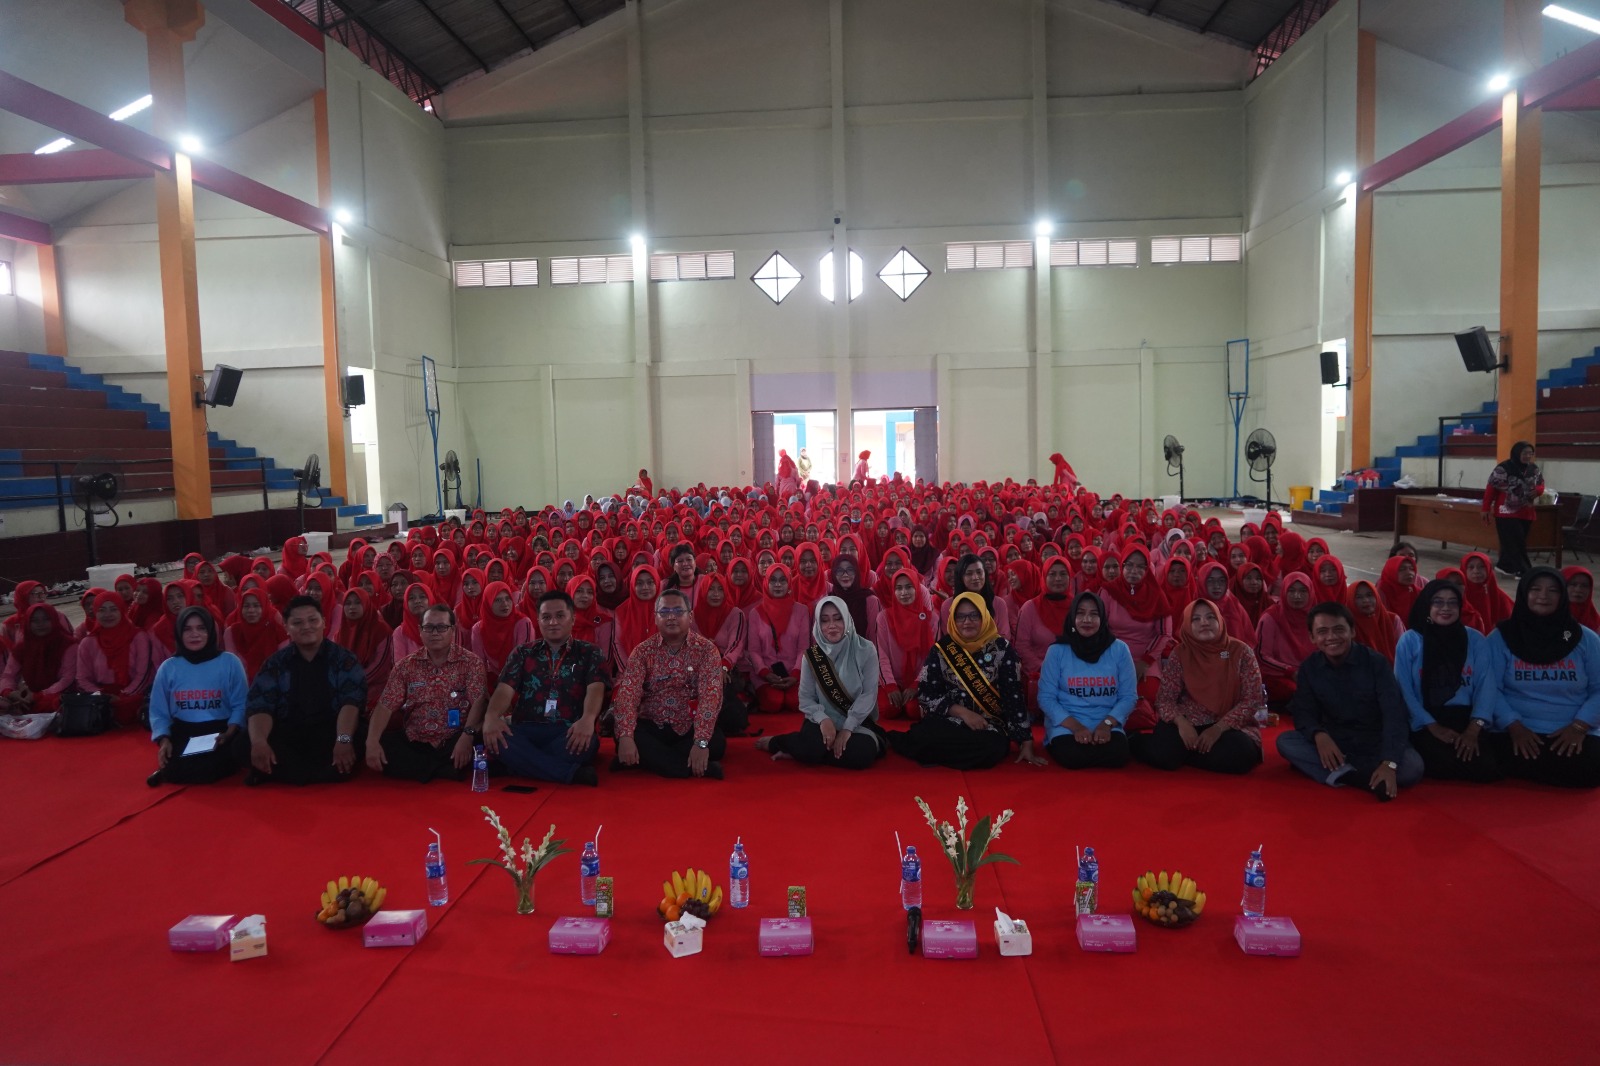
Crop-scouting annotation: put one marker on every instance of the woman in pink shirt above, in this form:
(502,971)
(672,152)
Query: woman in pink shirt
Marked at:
(1283,640)
(903,632)
(1138,616)
(407,636)
(42,666)
(778,636)
(1040,621)
(118,659)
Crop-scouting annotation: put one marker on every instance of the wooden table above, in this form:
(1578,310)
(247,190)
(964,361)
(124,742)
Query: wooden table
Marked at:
(1452,520)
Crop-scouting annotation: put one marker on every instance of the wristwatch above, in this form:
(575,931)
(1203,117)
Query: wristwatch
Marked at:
(702,744)
(468,731)
(1481,723)
(1112,722)
(1391,764)
(342,738)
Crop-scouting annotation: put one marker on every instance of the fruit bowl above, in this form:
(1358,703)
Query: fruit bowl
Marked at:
(350,901)
(689,893)
(1172,901)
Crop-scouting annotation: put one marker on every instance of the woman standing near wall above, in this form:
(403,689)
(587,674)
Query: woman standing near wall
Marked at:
(1508,501)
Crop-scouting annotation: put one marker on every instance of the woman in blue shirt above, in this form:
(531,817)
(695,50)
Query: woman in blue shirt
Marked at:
(1548,670)
(1445,675)
(1087,689)
(199,692)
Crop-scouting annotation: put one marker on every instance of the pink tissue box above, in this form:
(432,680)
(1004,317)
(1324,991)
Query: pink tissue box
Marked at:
(1106,932)
(202,932)
(579,936)
(785,936)
(949,940)
(1266,936)
(394,929)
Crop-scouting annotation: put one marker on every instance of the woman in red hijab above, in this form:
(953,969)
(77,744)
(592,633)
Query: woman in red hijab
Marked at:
(861,466)
(1179,587)
(295,565)
(778,633)
(217,596)
(1214,586)
(500,629)
(810,579)
(118,659)
(406,638)
(1397,586)
(42,666)
(174,598)
(1580,596)
(1136,611)
(25,595)
(254,632)
(903,633)
(1329,584)
(1064,476)
(1483,592)
(1292,555)
(1283,640)
(636,617)
(366,635)
(591,623)
(1041,620)
(719,620)
(1376,626)
(444,577)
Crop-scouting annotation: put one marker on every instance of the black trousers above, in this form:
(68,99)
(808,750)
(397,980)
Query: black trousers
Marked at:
(864,747)
(1564,771)
(943,741)
(1112,755)
(202,768)
(413,760)
(1439,760)
(661,751)
(1513,544)
(304,752)
(1233,753)
(734,718)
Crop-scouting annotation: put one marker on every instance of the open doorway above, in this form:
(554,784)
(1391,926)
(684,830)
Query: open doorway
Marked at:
(364,444)
(809,437)
(1335,399)
(891,437)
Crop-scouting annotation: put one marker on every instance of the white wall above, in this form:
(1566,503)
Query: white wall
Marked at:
(937,147)
(21,313)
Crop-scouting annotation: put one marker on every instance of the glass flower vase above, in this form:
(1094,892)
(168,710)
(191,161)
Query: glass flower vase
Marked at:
(525,896)
(964,883)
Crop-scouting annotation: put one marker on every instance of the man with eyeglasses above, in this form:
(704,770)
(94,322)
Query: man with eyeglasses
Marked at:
(439,690)
(304,707)
(669,697)
(541,721)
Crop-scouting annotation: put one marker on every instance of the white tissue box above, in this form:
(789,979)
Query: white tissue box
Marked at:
(683,940)
(1019,942)
(248,939)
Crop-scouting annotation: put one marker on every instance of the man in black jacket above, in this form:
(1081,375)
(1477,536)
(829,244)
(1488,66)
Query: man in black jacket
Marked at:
(1350,718)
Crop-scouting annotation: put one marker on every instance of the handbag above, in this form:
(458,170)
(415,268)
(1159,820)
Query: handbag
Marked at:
(84,714)
(27,726)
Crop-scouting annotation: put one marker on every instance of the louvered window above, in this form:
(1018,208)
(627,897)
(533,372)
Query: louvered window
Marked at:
(1116,251)
(988,255)
(496,273)
(1227,248)
(590,269)
(691,266)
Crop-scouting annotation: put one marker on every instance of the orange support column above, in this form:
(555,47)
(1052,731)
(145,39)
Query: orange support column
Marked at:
(1519,237)
(55,330)
(167,25)
(333,385)
(1361,339)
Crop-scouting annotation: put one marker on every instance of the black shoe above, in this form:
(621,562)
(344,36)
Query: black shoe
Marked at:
(585,775)
(154,779)
(714,770)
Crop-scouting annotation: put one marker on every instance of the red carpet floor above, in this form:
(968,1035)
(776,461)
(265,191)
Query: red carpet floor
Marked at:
(1457,922)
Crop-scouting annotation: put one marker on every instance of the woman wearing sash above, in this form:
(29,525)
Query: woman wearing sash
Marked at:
(838,696)
(971,692)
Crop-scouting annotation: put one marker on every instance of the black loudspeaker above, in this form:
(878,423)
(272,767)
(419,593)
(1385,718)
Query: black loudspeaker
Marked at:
(1330,368)
(224,386)
(355,390)
(1476,351)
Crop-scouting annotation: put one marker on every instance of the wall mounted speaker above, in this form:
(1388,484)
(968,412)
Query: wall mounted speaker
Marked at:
(1476,351)
(1330,368)
(223,386)
(355,390)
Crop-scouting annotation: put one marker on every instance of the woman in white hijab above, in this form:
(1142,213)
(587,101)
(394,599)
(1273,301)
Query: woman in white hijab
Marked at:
(838,696)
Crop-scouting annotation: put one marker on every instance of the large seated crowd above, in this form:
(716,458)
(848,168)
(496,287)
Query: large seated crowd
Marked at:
(969,615)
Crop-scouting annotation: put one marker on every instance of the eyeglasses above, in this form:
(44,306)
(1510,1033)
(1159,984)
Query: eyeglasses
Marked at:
(437,627)
(964,617)
(671,612)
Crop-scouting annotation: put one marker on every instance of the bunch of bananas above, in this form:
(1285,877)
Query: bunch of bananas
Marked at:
(689,893)
(350,901)
(1168,900)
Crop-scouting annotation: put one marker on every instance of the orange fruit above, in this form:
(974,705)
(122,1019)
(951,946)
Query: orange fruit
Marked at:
(674,912)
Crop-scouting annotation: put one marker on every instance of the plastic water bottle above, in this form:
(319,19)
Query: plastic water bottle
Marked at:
(588,874)
(1255,886)
(1264,715)
(910,879)
(480,769)
(738,877)
(1086,894)
(438,887)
